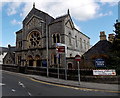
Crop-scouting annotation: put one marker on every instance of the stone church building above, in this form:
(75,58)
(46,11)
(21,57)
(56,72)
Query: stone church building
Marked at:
(36,41)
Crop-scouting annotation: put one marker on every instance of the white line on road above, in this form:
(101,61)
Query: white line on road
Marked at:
(1,84)
(21,84)
(13,90)
(29,94)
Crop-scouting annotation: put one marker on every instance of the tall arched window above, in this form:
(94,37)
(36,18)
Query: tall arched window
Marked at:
(58,38)
(88,45)
(76,41)
(70,36)
(54,38)
(85,44)
(81,43)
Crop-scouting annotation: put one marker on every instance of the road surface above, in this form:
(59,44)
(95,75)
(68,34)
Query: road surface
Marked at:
(14,84)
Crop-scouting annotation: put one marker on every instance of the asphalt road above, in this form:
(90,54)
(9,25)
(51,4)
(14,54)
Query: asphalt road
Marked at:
(19,85)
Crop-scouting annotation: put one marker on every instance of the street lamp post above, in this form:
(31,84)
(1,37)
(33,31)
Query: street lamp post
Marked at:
(47,50)
(46,33)
(78,73)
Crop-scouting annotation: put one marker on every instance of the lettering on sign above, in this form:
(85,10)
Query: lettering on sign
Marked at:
(100,63)
(104,72)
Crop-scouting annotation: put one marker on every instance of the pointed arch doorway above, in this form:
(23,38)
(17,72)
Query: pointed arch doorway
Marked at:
(38,61)
(30,60)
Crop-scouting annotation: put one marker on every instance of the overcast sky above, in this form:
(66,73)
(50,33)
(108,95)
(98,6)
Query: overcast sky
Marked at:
(89,16)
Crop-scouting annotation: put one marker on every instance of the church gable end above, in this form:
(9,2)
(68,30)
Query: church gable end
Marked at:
(69,23)
(34,21)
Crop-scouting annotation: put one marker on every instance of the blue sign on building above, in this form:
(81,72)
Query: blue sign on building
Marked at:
(100,62)
(44,63)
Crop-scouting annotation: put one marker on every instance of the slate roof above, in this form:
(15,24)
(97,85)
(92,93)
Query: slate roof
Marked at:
(3,49)
(39,13)
(101,47)
(20,31)
(12,49)
(60,18)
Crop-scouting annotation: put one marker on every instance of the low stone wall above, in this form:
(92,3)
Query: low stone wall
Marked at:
(85,75)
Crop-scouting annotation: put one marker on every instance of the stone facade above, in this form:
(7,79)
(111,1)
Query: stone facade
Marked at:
(3,52)
(9,58)
(97,52)
(41,32)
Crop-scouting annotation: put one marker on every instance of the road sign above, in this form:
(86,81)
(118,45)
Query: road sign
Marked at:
(104,72)
(61,49)
(59,45)
(77,58)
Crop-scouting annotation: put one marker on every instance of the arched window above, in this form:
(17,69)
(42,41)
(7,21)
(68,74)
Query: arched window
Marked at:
(55,59)
(58,38)
(70,43)
(88,44)
(54,38)
(70,66)
(76,41)
(81,43)
(85,44)
(34,39)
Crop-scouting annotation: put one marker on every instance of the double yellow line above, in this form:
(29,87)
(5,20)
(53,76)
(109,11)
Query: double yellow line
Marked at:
(76,88)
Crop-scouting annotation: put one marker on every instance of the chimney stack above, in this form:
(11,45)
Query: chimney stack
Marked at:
(102,35)
(111,37)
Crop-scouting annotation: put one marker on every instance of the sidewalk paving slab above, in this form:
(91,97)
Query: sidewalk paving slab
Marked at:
(89,85)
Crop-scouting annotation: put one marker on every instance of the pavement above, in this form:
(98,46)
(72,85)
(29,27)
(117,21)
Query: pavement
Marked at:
(88,85)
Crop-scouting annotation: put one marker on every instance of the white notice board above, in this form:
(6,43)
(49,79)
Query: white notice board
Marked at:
(104,72)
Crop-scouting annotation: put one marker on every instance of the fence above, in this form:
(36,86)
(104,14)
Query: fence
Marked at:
(85,74)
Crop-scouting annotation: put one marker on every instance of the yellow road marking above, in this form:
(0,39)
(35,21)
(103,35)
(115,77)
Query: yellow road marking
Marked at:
(65,86)
(77,88)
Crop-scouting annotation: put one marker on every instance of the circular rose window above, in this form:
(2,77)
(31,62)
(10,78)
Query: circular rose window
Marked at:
(34,39)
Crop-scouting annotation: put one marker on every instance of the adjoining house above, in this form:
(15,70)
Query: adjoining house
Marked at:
(97,56)
(9,58)
(36,41)
(3,52)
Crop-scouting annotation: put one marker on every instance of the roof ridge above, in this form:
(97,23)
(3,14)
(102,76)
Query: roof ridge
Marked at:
(43,12)
(61,16)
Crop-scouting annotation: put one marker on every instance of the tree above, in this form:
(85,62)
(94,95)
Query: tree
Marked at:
(115,51)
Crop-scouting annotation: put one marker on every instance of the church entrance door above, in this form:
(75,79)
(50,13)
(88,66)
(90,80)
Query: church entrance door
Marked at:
(38,63)
(30,62)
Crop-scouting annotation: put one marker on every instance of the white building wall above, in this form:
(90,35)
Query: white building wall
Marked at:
(72,49)
(2,55)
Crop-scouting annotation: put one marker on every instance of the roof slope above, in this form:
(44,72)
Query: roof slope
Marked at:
(3,49)
(100,47)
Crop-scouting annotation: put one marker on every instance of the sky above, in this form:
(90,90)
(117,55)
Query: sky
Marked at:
(89,16)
